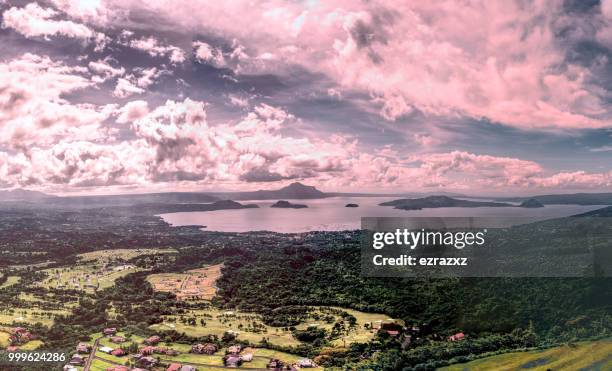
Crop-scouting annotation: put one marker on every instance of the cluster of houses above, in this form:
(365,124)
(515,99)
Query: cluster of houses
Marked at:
(19,336)
(144,359)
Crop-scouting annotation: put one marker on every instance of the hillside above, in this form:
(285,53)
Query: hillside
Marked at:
(292,191)
(566,199)
(594,355)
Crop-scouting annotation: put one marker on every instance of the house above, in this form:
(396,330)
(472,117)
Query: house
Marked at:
(76,360)
(83,348)
(117,339)
(232,360)
(118,352)
(153,340)
(146,362)
(275,364)
(306,363)
(174,367)
(188,368)
(207,348)
(248,357)
(106,350)
(110,331)
(118,368)
(12,348)
(392,332)
(458,336)
(234,349)
(70,368)
(147,351)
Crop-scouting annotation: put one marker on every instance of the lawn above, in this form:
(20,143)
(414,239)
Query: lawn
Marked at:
(217,322)
(594,355)
(196,284)
(30,315)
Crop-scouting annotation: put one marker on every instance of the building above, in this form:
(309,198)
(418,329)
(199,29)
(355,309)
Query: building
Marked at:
(146,362)
(275,364)
(306,363)
(106,350)
(153,340)
(110,331)
(188,368)
(234,349)
(232,360)
(83,348)
(174,367)
(248,357)
(76,360)
(207,348)
(70,368)
(118,368)
(118,352)
(458,336)
(147,351)
(117,339)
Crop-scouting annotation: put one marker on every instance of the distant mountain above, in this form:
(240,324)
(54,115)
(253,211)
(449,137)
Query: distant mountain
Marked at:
(165,208)
(566,199)
(438,201)
(132,199)
(531,203)
(288,205)
(292,191)
(23,195)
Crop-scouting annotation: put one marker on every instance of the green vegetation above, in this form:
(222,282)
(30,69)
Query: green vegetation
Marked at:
(10,281)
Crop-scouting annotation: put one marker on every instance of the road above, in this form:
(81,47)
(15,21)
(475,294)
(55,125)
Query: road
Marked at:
(92,354)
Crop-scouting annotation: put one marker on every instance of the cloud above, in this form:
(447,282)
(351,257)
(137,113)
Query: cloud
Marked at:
(138,82)
(512,69)
(35,21)
(155,48)
(104,70)
(32,107)
(133,111)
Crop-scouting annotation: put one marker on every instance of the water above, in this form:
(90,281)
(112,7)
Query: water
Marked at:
(330,214)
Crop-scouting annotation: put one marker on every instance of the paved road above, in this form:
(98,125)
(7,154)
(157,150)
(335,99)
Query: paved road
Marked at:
(92,354)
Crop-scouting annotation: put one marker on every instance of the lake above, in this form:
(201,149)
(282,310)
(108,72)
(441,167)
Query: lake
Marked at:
(330,214)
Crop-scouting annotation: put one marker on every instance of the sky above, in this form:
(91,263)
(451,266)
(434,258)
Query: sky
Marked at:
(477,97)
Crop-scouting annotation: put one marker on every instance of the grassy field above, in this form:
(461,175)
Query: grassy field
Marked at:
(217,322)
(10,281)
(196,284)
(102,256)
(4,339)
(30,315)
(594,355)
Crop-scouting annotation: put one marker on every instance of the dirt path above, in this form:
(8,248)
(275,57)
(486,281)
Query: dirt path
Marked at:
(92,354)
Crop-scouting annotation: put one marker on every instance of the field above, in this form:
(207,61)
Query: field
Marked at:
(4,339)
(96,270)
(10,280)
(29,315)
(595,355)
(249,326)
(123,254)
(196,284)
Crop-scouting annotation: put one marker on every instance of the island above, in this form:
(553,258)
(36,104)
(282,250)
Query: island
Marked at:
(532,203)
(351,205)
(288,205)
(438,201)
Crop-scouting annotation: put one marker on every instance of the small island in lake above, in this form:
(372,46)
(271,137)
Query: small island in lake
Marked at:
(288,205)
(531,203)
(432,202)
(351,205)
